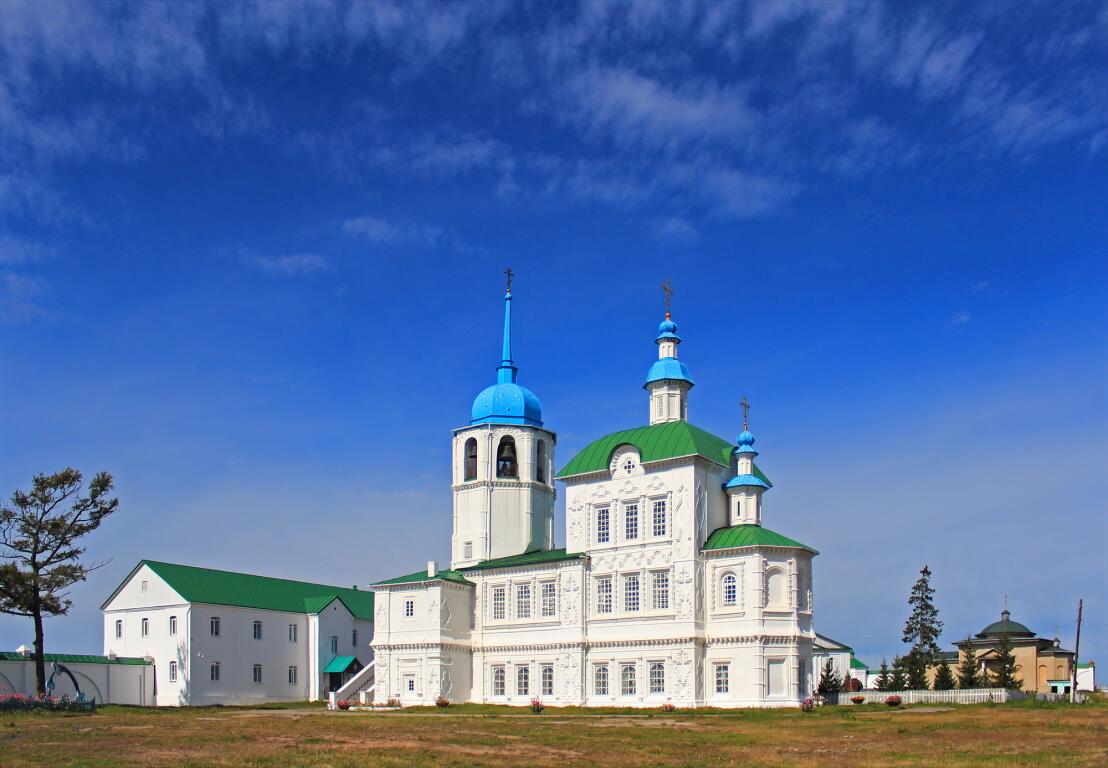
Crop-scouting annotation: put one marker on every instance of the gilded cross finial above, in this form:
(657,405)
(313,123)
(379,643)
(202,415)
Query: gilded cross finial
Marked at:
(745,403)
(508,273)
(667,289)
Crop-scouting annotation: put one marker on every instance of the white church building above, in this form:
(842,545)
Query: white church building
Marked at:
(669,589)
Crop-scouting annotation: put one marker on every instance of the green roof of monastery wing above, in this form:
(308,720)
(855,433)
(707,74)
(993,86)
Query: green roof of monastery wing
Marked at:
(72,658)
(750,535)
(340,664)
(655,443)
(857,664)
(420,576)
(245,590)
(527,558)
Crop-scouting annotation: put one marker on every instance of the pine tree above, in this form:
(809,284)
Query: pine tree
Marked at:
(944,677)
(915,669)
(882,683)
(899,680)
(829,682)
(923,627)
(967,668)
(1006,666)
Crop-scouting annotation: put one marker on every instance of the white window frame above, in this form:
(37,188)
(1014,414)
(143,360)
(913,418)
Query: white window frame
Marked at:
(499,603)
(659,525)
(257,630)
(410,679)
(467,550)
(334,644)
(659,590)
(604,595)
(293,631)
(657,675)
(144,627)
(632,592)
(628,683)
(119,629)
(631,522)
(172,626)
(258,680)
(523,680)
(549,590)
(499,680)
(214,626)
(600,681)
(173,671)
(729,582)
(214,672)
(546,677)
(721,673)
(603,525)
(409,607)
(523,601)
(292,674)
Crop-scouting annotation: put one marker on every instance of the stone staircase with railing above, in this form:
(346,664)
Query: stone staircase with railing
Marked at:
(360,688)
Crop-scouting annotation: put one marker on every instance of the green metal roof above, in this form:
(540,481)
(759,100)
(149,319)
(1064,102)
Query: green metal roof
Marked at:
(421,576)
(72,658)
(340,664)
(655,443)
(527,558)
(856,664)
(245,590)
(1006,627)
(750,536)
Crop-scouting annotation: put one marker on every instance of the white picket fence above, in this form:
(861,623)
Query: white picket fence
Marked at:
(957,696)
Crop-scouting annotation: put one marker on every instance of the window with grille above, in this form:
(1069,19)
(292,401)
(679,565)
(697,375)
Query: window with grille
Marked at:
(603,533)
(723,678)
(409,608)
(498,681)
(730,589)
(661,590)
(604,595)
(523,681)
(292,675)
(214,671)
(600,680)
(172,671)
(523,601)
(257,674)
(657,677)
(549,599)
(631,522)
(498,599)
(547,679)
(660,518)
(627,680)
(631,592)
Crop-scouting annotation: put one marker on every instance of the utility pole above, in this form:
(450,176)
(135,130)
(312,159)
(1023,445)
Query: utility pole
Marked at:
(1076,651)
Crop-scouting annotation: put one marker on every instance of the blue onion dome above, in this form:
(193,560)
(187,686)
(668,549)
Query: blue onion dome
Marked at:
(667,329)
(668,369)
(506,403)
(746,439)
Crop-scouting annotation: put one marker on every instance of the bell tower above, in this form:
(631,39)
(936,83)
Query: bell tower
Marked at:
(503,468)
(668,380)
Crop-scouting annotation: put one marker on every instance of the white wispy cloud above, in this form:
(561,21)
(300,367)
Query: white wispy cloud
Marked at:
(291,265)
(674,230)
(385,232)
(22,297)
(18,250)
(960,318)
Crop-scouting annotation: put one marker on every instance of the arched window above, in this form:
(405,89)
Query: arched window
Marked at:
(540,462)
(730,590)
(506,465)
(775,588)
(471,459)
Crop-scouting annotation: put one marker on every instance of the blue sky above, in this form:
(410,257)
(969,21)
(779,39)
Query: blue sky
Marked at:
(251,255)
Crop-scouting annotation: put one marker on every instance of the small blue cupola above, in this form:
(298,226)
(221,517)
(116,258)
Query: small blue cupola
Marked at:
(744,490)
(506,402)
(667,367)
(668,380)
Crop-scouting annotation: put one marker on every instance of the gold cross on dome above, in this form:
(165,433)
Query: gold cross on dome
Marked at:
(509,273)
(667,289)
(745,403)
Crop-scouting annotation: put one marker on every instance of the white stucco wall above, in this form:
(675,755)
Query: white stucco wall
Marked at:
(108,683)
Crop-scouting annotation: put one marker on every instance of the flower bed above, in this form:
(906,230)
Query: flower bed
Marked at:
(537,706)
(17,702)
(858,699)
(893,701)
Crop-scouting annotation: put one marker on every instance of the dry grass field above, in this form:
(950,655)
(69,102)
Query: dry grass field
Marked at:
(1014,734)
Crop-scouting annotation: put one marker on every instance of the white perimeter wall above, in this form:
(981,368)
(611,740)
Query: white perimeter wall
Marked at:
(108,683)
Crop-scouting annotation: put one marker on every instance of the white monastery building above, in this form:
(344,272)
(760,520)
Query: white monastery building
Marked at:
(669,589)
(219,637)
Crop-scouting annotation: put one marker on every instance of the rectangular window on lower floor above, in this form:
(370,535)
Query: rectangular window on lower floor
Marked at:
(215,671)
(660,590)
(292,675)
(549,599)
(604,595)
(257,674)
(498,681)
(498,602)
(547,679)
(172,671)
(600,680)
(631,593)
(723,678)
(627,680)
(523,681)
(657,677)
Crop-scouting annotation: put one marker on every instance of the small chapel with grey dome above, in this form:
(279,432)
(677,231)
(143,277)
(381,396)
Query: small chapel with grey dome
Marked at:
(670,588)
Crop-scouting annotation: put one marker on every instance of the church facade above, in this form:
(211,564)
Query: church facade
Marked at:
(669,588)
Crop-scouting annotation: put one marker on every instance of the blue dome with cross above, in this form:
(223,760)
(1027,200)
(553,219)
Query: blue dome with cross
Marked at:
(506,402)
